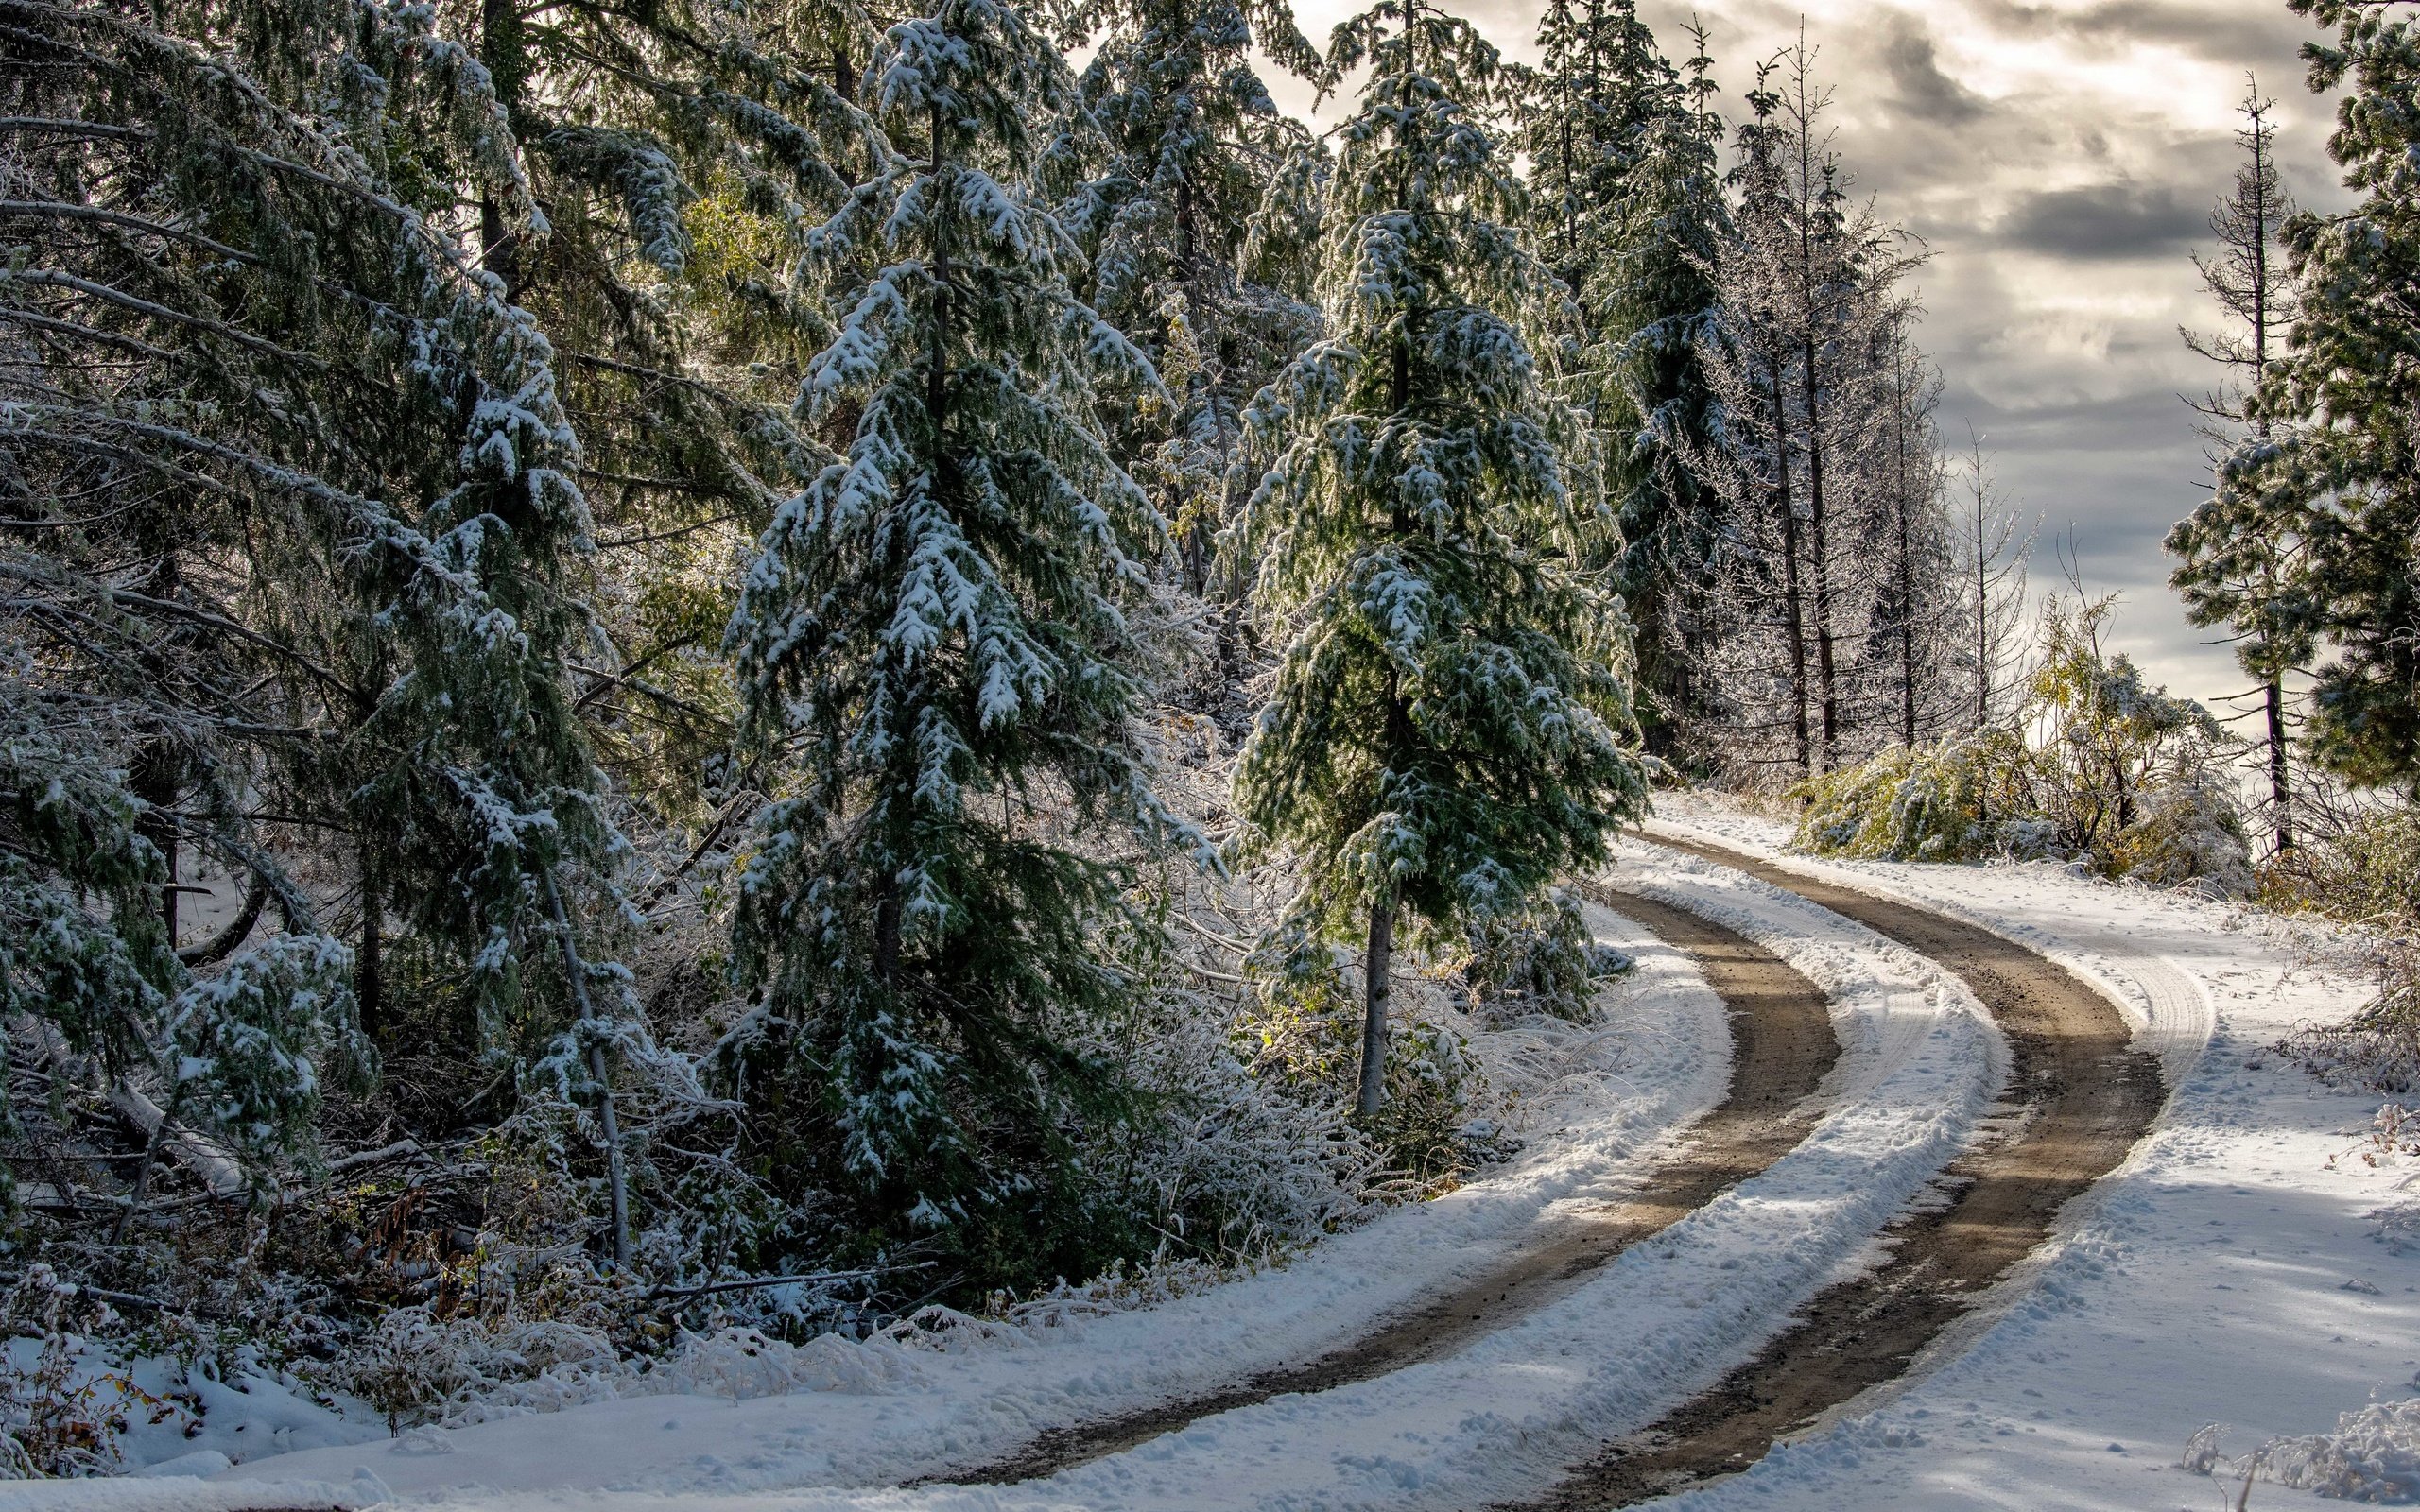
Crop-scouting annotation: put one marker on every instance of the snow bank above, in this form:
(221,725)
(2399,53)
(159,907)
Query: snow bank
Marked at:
(1591,1105)
(2224,1272)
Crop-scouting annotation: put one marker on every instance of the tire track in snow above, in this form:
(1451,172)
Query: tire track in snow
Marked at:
(2080,1097)
(1784,1046)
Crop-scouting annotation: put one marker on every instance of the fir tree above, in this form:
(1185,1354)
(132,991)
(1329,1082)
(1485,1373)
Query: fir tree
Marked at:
(1444,733)
(339,590)
(1194,144)
(1652,304)
(944,646)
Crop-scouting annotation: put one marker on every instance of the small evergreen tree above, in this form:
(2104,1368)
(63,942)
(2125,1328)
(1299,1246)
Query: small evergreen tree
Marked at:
(944,646)
(1445,734)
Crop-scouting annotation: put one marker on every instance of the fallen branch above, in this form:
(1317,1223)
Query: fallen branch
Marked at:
(660,1294)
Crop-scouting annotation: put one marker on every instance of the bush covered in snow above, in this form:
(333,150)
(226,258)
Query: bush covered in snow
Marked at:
(1540,961)
(2099,767)
(2359,863)
(1959,800)
(2373,1455)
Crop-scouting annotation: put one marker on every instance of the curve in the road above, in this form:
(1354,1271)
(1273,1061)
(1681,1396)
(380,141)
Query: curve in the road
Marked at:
(2078,1096)
(1783,1047)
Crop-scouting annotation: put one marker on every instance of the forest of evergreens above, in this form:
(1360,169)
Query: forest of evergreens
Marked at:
(668,662)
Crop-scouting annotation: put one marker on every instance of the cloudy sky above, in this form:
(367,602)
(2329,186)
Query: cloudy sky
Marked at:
(2061,159)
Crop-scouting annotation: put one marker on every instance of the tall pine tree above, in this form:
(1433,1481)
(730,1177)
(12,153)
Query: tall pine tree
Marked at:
(1447,729)
(944,646)
(2234,569)
(2338,467)
(1194,143)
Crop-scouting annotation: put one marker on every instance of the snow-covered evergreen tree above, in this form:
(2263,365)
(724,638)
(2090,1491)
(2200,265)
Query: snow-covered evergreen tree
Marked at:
(333,598)
(1447,730)
(944,645)
(2336,466)
(1194,144)
(1626,198)
(1811,297)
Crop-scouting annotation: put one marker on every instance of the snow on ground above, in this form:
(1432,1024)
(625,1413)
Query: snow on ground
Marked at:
(1601,1104)
(2222,1273)
(1919,1065)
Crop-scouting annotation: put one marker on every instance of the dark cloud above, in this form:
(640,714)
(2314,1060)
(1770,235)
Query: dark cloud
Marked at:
(1919,87)
(2111,220)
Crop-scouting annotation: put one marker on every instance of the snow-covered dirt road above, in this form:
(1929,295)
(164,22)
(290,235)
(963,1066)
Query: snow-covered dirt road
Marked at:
(2218,1272)
(2078,1099)
(1782,1049)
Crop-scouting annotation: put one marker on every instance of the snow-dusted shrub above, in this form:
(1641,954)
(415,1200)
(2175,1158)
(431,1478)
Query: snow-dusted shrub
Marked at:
(1305,1033)
(417,1366)
(60,1414)
(2352,859)
(2378,1046)
(2373,1455)
(2102,768)
(1959,800)
(2190,833)
(1538,960)
(2358,862)
(1228,1164)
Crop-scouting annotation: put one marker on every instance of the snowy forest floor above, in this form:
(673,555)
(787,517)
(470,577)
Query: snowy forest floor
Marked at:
(2224,1272)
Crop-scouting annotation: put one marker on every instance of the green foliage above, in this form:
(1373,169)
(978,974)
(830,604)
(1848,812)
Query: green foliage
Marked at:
(1541,960)
(1193,144)
(1625,199)
(1960,800)
(2364,868)
(1305,1039)
(1445,727)
(2324,493)
(943,644)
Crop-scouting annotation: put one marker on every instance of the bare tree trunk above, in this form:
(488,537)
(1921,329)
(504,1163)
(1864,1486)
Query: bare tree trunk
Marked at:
(1827,683)
(1378,967)
(368,963)
(2280,782)
(1793,598)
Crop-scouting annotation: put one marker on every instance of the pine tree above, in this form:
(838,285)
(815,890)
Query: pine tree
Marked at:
(2339,470)
(1758,663)
(944,649)
(1194,144)
(332,599)
(1626,197)
(2233,569)
(1811,290)
(666,161)
(1444,733)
